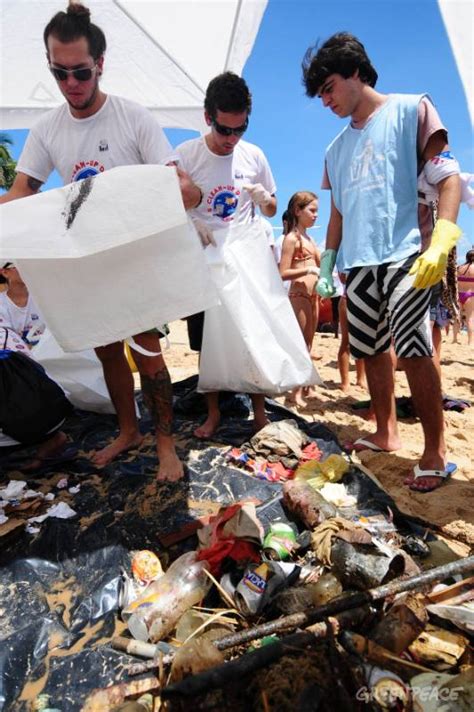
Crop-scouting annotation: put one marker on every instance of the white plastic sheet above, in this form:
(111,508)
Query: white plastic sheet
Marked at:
(252,342)
(109,257)
(79,374)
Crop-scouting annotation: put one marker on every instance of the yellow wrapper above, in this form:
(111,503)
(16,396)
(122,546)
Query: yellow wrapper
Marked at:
(318,474)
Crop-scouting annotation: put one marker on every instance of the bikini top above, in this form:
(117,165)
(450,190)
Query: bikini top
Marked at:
(302,253)
(462,278)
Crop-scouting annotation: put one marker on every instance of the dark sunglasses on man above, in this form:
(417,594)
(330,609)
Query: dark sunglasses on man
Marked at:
(83,74)
(227,131)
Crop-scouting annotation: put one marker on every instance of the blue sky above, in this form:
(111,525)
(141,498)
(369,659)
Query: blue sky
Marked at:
(409,48)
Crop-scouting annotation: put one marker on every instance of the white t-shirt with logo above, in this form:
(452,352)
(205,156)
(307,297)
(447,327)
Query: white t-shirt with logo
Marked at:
(26,321)
(121,133)
(221,179)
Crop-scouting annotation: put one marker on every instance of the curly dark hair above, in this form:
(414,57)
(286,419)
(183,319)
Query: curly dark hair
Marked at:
(470,256)
(229,93)
(341,54)
(72,25)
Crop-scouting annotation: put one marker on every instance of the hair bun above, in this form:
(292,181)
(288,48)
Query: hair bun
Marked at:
(79,11)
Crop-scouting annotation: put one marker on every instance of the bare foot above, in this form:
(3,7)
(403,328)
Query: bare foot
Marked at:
(345,385)
(382,444)
(300,401)
(362,384)
(121,444)
(389,444)
(171,467)
(51,447)
(208,428)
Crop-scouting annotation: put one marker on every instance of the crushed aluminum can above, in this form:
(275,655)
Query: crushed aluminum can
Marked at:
(260,583)
(279,542)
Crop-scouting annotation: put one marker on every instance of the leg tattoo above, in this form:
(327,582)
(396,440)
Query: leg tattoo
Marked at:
(158,398)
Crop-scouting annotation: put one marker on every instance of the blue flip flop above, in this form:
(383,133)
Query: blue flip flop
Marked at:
(442,474)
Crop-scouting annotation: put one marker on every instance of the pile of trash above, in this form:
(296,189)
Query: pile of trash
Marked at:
(244,586)
(328,579)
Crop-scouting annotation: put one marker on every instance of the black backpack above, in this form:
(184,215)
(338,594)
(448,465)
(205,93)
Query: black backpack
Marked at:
(31,404)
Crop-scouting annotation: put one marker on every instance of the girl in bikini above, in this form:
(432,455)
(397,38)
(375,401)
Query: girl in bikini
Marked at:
(300,260)
(466,293)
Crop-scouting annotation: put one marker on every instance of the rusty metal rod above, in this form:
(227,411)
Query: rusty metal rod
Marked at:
(346,602)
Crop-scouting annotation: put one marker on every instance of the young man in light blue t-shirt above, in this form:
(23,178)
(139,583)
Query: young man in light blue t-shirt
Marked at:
(373,233)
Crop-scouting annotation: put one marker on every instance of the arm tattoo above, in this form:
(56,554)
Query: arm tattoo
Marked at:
(34,184)
(158,398)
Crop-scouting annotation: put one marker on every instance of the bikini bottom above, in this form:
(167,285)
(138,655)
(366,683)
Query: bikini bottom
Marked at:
(304,295)
(464,296)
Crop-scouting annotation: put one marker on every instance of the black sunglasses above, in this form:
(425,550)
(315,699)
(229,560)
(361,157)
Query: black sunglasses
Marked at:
(82,75)
(227,131)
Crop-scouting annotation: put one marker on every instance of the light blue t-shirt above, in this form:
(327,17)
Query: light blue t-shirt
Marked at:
(373,177)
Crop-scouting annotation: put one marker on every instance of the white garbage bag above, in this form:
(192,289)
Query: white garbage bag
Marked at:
(108,257)
(79,374)
(252,342)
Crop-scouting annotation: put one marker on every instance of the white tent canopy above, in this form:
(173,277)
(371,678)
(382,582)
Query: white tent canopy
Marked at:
(160,53)
(458,18)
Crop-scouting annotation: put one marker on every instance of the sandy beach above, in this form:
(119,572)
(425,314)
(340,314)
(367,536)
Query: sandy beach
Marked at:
(450,509)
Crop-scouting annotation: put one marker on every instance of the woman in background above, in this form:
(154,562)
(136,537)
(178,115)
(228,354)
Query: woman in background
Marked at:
(466,294)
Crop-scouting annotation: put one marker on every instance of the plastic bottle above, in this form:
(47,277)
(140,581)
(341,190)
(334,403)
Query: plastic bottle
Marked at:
(327,587)
(156,612)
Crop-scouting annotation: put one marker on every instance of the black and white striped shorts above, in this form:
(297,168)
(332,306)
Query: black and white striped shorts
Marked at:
(383,304)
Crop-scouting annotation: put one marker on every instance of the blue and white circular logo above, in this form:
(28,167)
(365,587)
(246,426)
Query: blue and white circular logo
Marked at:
(224,204)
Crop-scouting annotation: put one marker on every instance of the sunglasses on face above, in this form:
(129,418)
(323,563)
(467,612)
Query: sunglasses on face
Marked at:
(82,75)
(227,131)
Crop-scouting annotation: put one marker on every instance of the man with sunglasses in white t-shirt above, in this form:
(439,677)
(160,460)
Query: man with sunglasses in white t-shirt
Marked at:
(90,133)
(234,178)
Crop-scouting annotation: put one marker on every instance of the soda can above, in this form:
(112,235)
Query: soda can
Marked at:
(279,542)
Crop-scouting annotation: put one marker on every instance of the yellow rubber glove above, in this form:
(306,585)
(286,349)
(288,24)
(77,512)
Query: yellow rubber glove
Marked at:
(429,267)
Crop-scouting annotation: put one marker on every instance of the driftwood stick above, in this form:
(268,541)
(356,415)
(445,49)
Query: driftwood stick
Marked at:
(220,675)
(347,602)
(139,668)
(223,674)
(354,617)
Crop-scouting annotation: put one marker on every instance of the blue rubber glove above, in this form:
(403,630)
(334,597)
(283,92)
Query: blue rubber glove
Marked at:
(326,286)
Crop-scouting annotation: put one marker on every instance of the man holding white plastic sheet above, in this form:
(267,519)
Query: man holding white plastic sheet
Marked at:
(90,133)
(235,178)
(371,169)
